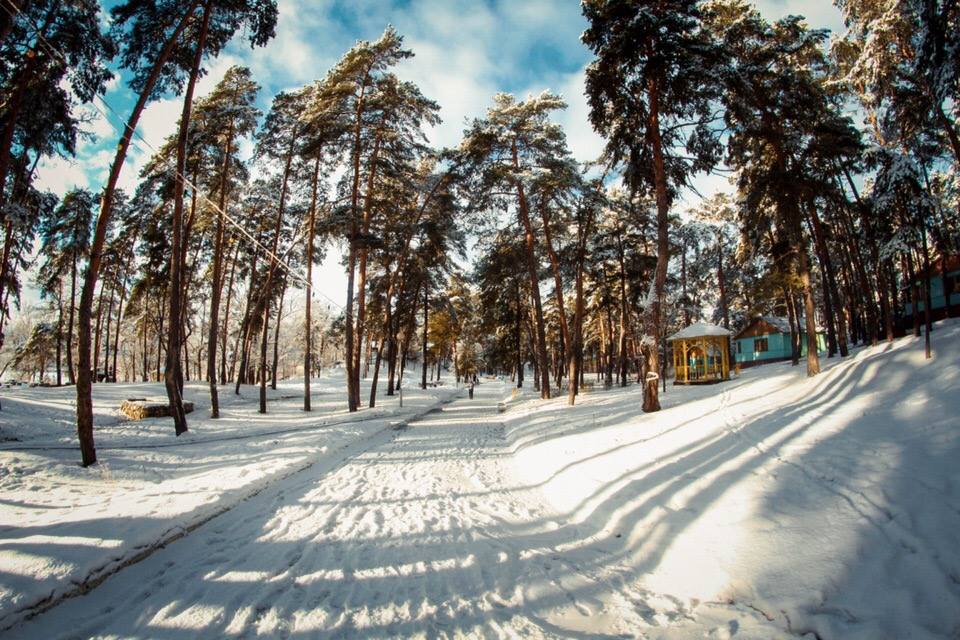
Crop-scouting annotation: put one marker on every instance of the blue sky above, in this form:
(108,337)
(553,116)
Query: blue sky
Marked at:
(465,51)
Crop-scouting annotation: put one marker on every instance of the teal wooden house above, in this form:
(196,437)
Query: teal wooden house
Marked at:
(767,339)
(942,289)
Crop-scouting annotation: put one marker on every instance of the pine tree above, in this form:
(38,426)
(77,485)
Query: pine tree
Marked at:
(776,107)
(652,82)
(52,58)
(351,86)
(502,151)
(228,115)
(66,241)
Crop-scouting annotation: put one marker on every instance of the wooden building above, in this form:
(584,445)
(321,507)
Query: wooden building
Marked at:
(701,354)
(767,339)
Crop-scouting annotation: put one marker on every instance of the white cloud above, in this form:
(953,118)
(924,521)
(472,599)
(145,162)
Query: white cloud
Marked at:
(60,175)
(819,15)
(585,144)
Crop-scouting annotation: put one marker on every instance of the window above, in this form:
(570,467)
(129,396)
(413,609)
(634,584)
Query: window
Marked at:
(760,345)
(739,347)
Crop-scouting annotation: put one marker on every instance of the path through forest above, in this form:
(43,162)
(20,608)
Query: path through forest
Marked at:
(420,533)
(773,506)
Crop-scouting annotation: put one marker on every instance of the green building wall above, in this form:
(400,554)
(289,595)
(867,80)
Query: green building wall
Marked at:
(778,347)
(937,299)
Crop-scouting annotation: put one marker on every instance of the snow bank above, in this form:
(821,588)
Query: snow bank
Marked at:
(64,528)
(828,505)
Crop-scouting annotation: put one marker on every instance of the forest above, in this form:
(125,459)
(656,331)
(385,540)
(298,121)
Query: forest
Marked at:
(500,255)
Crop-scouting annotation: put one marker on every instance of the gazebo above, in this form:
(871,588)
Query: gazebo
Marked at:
(701,354)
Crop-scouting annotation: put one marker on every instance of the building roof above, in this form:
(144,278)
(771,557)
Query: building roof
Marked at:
(700,330)
(779,324)
(951,262)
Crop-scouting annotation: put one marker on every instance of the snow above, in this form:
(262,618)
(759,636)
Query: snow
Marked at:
(770,506)
(62,525)
(782,324)
(699,330)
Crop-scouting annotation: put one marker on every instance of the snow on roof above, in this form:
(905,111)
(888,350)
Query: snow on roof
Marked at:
(700,330)
(778,323)
(782,324)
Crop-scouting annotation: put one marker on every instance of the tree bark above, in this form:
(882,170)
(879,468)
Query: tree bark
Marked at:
(59,333)
(217,287)
(276,337)
(224,333)
(557,282)
(353,391)
(722,283)
(269,279)
(575,356)
(70,316)
(84,399)
(362,275)
(173,375)
(540,333)
(648,346)
(622,343)
(426,318)
(927,302)
(813,358)
(308,314)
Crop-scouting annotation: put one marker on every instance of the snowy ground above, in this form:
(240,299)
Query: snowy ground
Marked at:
(63,527)
(771,506)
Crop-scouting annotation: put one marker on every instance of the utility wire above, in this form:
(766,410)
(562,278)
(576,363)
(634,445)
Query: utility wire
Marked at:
(141,142)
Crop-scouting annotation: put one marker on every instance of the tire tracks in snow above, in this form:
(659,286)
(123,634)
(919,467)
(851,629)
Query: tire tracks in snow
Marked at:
(326,460)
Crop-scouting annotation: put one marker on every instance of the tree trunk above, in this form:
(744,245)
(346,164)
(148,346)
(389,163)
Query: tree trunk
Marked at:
(97,332)
(622,343)
(683,284)
(268,285)
(519,330)
(240,344)
(557,283)
(860,265)
(276,337)
(353,391)
(106,333)
(217,285)
(648,346)
(70,313)
(224,333)
(831,295)
(172,375)
(813,358)
(376,373)
(426,318)
(84,399)
(914,294)
(722,283)
(59,334)
(575,357)
(828,303)
(540,333)
(927,302)
(362,275)
(116,341)
(308,318)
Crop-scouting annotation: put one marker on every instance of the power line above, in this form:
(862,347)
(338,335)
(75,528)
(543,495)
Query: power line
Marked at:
(135,136)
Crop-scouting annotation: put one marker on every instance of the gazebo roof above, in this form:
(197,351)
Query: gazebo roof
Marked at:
(700,330)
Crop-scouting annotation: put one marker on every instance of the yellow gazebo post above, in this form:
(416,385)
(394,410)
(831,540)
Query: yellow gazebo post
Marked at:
(725,351)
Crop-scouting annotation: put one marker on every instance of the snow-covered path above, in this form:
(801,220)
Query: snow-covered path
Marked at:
(773,506)
(411,534)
